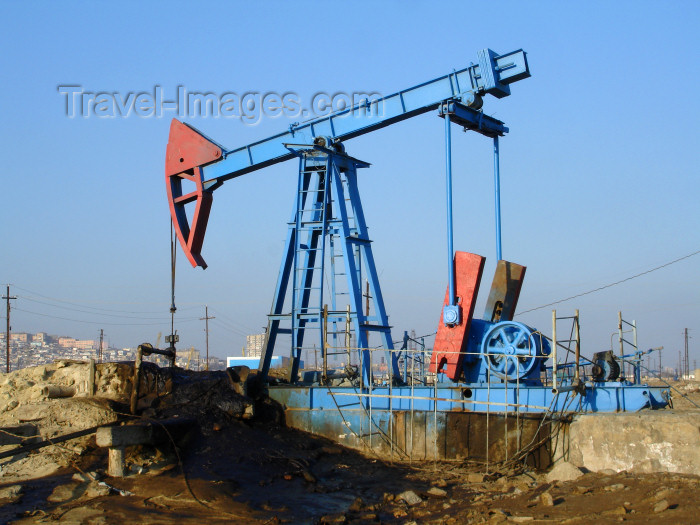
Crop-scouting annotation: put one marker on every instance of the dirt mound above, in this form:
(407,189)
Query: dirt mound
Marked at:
(241,463)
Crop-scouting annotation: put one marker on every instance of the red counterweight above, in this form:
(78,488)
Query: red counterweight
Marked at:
(451,341)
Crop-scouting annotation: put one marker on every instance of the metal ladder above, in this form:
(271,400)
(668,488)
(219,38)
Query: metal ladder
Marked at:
(327,223)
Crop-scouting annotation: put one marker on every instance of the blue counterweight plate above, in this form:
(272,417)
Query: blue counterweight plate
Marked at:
(510,350)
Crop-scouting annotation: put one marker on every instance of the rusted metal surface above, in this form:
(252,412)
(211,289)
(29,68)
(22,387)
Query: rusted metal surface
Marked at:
(505,291)
(451,341)
(57,391)
(117,438)
(420,436)
(146,349)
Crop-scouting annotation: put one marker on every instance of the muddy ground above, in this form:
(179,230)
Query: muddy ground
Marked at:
(234,468)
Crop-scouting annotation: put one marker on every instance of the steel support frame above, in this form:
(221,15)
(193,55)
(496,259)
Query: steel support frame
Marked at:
(341,221)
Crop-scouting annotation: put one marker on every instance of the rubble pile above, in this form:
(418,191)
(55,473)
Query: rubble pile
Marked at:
(210,447)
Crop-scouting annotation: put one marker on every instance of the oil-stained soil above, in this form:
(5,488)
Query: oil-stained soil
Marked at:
(235,469)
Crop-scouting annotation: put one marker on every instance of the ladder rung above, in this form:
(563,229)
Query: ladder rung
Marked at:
(375,327)
(358,240)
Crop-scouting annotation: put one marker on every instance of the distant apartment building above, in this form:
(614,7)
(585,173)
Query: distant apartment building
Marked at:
(19,338)
(80,344)
(40,337)
(254,345)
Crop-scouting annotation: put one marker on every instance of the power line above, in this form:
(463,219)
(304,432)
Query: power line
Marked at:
(83,305)
(611,284)
(219,323)
(233,323)
(101,322)
(165,318)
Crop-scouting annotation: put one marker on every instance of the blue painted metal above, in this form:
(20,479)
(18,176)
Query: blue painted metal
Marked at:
(512,351)
(450,314)
(497,196)
(327,210)
(492,75)
(500,398)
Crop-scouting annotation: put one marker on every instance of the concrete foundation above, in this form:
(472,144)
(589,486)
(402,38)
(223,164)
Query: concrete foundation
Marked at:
(648,441)
(420,435)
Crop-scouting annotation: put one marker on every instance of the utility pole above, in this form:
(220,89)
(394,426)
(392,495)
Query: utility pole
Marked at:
(8,298)
(206,320)
(687,362)
(99,350)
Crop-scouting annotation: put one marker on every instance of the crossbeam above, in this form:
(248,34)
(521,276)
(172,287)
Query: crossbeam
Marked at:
(492,75)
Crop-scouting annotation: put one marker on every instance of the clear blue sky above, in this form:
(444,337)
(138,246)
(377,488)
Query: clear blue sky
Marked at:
(599,172)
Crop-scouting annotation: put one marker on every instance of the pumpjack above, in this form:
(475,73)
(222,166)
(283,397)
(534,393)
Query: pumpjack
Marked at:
(475,361)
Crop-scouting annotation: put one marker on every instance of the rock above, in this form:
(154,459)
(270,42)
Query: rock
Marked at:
(547,499)
(607,472)
(564,471)
(521,519)
(621,510)
(410,497)
(357,505)
(498,518)
(308,476)
(613,488)
(400,513)
(661,506)
(388,497)
(62,493)
(334,518)
(82,477)
(437,492)
(97,489)
(11,494)
(441,483)
(661,494)
(475,477)
(446,506)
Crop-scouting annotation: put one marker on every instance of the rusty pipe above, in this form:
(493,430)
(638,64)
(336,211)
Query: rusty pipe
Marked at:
(57,391)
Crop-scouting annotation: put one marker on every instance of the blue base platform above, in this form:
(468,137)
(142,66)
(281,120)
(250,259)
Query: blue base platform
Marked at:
(449,422)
